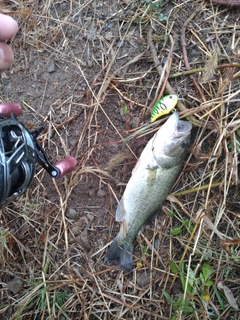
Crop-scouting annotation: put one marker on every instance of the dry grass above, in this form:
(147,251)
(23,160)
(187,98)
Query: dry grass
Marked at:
(106,59)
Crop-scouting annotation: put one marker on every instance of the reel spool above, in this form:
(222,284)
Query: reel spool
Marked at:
(19,153)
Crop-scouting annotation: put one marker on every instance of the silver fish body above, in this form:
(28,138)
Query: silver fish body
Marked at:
(151,181)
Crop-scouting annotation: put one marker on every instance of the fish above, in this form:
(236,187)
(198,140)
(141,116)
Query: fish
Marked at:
(164,106)
(151,181)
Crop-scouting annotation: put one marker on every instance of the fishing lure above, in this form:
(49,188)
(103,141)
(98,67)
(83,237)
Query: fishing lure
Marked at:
(163,106)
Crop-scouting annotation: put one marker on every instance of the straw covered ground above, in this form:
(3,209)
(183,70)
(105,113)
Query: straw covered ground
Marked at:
(90,71)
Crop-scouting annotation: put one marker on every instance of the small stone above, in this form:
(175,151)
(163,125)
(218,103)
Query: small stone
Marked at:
(4,75)
(143,279)
(75,230)
(135,122)
(91,35)
(156,244)
(110,25)
(90,63)
(90,216)
(108,35)
(122,114)
(91,192)
(15,285)
(72,214)
(101,193)
(84,240)
(51,66)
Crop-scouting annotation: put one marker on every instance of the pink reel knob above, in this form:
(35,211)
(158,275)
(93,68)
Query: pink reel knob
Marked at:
(8,108)
(67,165)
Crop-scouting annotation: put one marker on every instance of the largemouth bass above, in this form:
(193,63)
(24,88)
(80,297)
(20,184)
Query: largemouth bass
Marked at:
(152,179)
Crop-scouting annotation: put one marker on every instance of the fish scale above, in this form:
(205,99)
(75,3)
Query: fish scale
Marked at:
(152,179)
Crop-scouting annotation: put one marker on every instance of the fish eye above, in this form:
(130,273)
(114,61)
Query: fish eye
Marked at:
(170,97)
(184,143)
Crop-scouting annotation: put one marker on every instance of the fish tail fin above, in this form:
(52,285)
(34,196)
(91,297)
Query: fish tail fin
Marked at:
(122,253)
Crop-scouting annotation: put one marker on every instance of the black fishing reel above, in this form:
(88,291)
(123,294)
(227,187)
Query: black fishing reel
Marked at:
(19,153)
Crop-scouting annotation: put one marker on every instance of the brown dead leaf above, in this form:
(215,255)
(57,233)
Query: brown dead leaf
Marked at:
(227,243)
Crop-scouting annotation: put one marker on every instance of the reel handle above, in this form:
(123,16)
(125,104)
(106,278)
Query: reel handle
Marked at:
(19,152)
(66,165)
(63,167)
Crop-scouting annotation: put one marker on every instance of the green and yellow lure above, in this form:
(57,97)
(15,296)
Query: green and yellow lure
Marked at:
(163,106)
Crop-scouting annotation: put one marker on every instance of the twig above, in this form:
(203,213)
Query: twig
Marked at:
(222,66)
(124,97)
(227,2)
(168,69)
(184,192)
(184,50)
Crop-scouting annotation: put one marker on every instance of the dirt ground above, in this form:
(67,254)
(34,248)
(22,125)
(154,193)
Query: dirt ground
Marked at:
(85,70)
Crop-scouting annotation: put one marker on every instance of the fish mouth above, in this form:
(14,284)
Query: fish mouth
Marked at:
(170,142)
(183,128)
(180,127)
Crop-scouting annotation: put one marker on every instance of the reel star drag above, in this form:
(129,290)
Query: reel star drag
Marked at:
(19,153)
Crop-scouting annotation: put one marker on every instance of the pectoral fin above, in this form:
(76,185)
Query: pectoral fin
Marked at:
(134,170)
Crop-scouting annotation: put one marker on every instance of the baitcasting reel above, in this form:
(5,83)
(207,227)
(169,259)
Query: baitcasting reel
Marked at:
(19,152)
